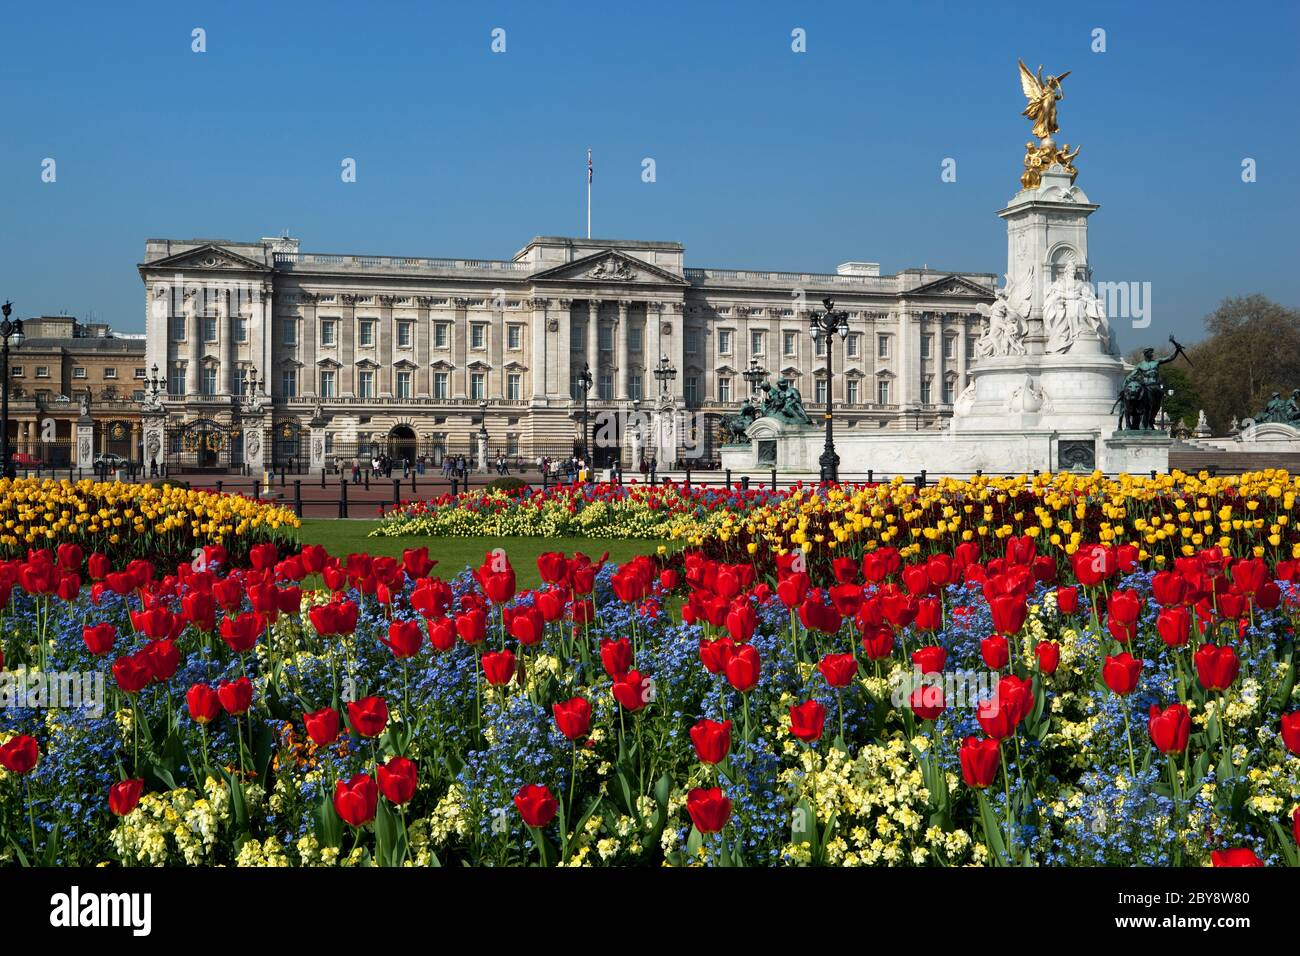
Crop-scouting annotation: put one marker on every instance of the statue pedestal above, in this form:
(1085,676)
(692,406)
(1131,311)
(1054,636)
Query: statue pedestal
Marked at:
(154,422)
(785,446)
(253,426)
(317,440)
(85,442)
(1137,452)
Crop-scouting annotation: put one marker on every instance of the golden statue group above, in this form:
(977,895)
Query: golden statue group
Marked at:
(1043,95)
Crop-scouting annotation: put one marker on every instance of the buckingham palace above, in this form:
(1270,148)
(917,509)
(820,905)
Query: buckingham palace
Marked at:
(419,356)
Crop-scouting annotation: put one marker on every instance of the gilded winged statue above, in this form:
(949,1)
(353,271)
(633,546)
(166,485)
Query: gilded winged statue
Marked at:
(1042,95)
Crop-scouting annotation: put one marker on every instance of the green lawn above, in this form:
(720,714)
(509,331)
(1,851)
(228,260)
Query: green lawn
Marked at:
(343,537)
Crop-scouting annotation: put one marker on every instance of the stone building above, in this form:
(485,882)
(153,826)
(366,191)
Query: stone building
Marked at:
(413,356)
(61,363)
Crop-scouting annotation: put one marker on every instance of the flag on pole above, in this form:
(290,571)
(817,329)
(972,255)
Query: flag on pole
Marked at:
(588,165)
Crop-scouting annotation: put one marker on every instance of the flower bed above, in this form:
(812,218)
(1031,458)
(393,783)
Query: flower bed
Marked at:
(602,510)
(124,521)
(1129,716)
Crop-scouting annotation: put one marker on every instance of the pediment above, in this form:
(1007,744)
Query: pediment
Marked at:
(404,364)
(443,364)
(208,256)
(367,363)
(610,266)
(329,363)
(954,285)
(516,366)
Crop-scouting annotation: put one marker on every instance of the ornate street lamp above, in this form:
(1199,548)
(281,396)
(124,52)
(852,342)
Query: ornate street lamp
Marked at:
(9,331)
(155,384)
(754,375)
(664,374)
(585,381)
(829,323)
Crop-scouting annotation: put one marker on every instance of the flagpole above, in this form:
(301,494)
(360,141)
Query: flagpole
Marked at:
(588,192)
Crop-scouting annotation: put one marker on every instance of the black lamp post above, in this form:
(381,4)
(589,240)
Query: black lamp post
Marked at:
(753,375)
(482,428)
(829,324)
(585,381)
(9,331)
(664,374)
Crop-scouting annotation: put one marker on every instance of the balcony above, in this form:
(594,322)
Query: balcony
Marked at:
(400,265)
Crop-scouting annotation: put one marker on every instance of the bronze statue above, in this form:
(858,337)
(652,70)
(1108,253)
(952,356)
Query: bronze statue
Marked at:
(1143,392)
(1281,410)
(784,403)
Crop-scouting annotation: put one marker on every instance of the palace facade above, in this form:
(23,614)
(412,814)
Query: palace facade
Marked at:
(413,356)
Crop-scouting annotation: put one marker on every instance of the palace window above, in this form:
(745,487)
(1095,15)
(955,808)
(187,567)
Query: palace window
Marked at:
(16,371)
(42,371)
(606,387)
(755,343)
(788,342)
(819,345)
(403,384)
(290,331)
(141,373)
(925,392)
(78,372)
(209,380)
(176,379)
(110,372)
(241,329)
(851,391)
(926,346)
(882,346)
(724,388)
(724,342)
(692,341)
(882,392)
(605,337)
(634,336)
(403,335)
(853,345)
(327,383)
(575,385)
(178,328)
(366,384)
(575,338)
(819,391)
(970,347)
(948,390)
(634,387)
(691,390)
(478,336)
(441,335)
(949,346)
(289,382)
(478,386)
(514,386)
(514,337)
(209,329)
(328,330)
(366,333)
(440,382)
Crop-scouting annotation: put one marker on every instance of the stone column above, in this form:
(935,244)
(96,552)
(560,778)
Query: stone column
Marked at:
(154,424)
(267,339)
(308,343)
(621,333)
(903,360)
(593,342)
(960,345)
(317,443)
(460,349)
(229,382)
(537,334)
(387,331)
(496,382)
(563,351)
(347,339)
(254,442)
(674,317)
(193,329)
(85,442)
(423,349)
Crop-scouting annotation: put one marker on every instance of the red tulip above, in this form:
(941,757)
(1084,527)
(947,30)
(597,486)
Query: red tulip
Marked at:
(356,800)
(162,658)
(368,716)
(1291,731)
(536,805)
(995,652)
(203,703)
(979,761)
(573,717)
(743,668)
(715,654)
(404,638)
(1168,588)
(263,556)
(397,780)
(235,696)
(632,691)
(241,633)
(817,616)
(472,626)
(322,726)
(1122,614)
(125,796)
(1170,728)
(1067,600)
(712,740)
(792,588)
(929,614)
(99,566)
(807,720)
(417,563)
(709,808)
(132,673)
(616,656)
(741,621)
(1049,656)
(1174,625)
(442,633)
(1120,672)
(99,638)
(19,754)
(838,669)
(1009,612)
(499,667)
(1240,856)
(930,660)
(927,701)
(878,642)
(1216,667)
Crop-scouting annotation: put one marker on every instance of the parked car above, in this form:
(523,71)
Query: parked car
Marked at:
(110,461)
(24,460)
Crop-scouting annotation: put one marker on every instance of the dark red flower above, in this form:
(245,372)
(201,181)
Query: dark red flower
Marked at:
(397,779)
(573,717)
(125,796)
(712,740)
(322,726)
(980,760)
(368,716)
(709,808)
(536,805)
(356,800)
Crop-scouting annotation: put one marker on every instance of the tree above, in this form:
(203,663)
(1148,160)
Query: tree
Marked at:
(1252,350)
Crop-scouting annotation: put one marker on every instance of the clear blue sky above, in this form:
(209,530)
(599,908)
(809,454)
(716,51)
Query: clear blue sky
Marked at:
(765,158)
